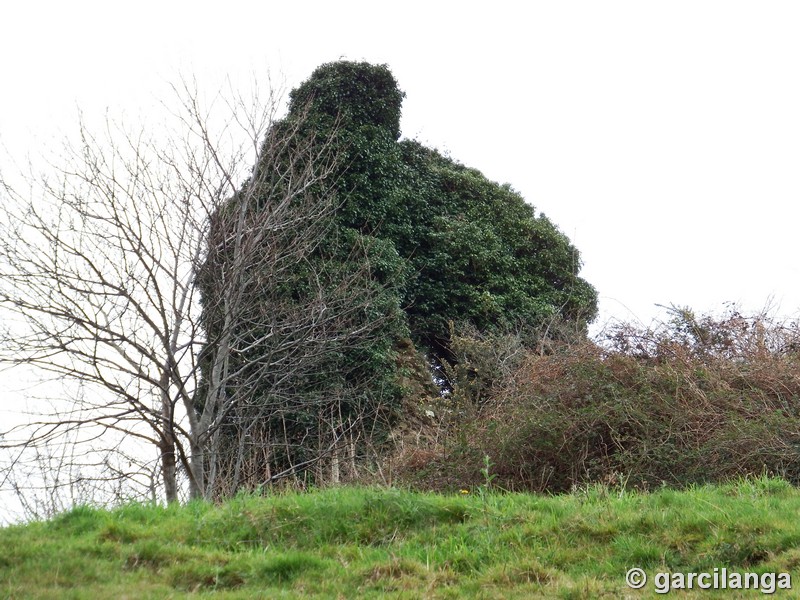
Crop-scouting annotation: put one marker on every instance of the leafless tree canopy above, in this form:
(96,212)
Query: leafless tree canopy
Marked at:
(102,257)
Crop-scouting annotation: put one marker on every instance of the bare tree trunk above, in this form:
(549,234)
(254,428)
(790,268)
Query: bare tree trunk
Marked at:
(351,446)
(335,474)
(169,471)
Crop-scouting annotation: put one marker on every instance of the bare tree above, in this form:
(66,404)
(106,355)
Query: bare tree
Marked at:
(102,256)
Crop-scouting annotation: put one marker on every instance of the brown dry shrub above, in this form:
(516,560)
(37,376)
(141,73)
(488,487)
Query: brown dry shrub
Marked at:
(692,400)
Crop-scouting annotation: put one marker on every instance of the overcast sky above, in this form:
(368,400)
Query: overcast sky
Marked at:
(662,137)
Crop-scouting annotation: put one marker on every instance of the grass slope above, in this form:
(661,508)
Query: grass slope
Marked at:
(387,543)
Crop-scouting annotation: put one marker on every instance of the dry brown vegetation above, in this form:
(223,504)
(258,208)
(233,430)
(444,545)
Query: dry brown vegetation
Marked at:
(690,400)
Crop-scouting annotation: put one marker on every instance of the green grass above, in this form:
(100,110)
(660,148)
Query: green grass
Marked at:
(388,543)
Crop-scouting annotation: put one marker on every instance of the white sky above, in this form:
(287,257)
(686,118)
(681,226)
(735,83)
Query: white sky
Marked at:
(662,137)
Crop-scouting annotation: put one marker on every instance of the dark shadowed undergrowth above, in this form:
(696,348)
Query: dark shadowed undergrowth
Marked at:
(388,543)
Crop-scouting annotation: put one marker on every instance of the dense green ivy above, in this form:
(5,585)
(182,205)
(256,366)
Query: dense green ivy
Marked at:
(444,244)
(478,251)
(355,94)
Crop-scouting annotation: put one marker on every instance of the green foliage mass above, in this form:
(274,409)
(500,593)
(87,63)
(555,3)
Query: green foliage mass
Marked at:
(479,254)
(358,95)
(441,243)
(303,317)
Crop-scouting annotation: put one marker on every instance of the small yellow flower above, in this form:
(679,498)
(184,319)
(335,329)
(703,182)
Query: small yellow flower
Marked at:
(465,491)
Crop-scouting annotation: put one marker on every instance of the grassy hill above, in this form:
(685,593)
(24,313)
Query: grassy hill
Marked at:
(388,543)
